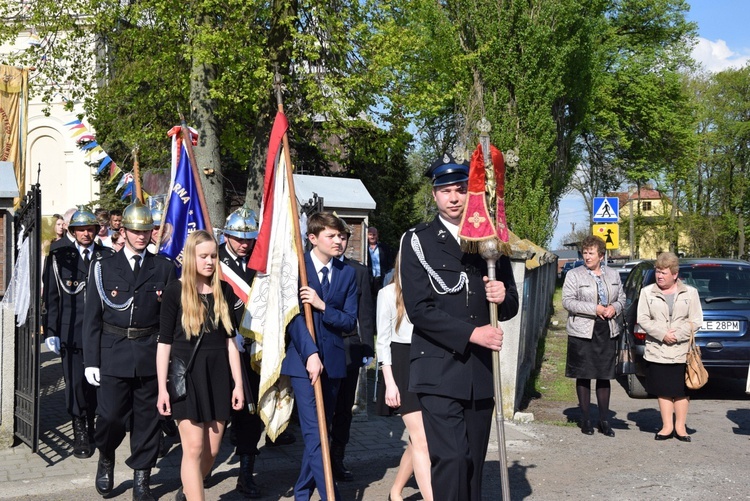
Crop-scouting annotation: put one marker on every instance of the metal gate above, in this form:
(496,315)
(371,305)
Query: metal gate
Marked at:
(27,224)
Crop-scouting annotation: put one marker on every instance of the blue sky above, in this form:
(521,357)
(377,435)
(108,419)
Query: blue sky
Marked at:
(724,41)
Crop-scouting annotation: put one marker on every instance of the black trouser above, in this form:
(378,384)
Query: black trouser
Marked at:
(457,434)
(341,423)
(129,403)
(248,427)
(80,396)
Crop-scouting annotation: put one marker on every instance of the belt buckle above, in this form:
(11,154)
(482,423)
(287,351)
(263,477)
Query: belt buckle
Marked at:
(129,336)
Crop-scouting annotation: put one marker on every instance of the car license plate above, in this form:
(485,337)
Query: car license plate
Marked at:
(721,325)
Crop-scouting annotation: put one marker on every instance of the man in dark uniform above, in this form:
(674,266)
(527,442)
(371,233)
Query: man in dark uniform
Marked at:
(121,323)
(65,284)
(446,295)
(240,233)
(358,347)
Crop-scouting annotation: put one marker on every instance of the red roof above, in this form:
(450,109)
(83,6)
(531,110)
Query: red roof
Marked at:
(643,194)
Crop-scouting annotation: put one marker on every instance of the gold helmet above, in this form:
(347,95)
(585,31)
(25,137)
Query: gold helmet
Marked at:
(137,216)
(241,223)
(81,218)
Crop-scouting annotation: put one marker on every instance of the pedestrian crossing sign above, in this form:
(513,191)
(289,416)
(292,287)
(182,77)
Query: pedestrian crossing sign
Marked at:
(606,210)
(610,233)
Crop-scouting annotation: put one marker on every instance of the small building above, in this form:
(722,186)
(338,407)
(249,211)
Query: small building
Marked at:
(565,256)
(347,197)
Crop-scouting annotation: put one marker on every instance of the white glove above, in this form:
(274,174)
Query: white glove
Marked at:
(92,375)
(239,340)
(53,344)
(366,361)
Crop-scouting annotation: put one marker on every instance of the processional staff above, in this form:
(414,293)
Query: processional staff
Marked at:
(483,230)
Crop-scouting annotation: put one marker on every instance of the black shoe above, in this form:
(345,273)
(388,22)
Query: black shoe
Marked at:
(586,427)
(245,483)
(663,437)
(81,445)
(340,471)
(606,429)
(180,496)
(105,475)
(141,488)
(284,438)
(682,438)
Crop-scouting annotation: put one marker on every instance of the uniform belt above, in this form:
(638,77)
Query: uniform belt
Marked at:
(130,332)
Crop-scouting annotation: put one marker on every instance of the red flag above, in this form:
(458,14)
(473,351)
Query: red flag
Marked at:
(259,258)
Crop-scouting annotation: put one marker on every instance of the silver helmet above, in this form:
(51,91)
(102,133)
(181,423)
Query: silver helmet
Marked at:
(81,218)
(242,223)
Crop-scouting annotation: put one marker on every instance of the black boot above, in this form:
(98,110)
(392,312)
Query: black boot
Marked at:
(141,488)
(81,444)
(105,475)
(245,484)
(340,471)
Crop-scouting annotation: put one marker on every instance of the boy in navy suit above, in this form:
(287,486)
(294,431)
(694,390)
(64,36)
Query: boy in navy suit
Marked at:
(332,294)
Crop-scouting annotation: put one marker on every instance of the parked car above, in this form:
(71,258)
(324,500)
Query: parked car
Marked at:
(569,266)
(624,270)
(724,338)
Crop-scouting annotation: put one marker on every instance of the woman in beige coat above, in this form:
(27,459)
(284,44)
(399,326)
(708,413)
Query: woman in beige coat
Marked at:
(669,311)
(594,298)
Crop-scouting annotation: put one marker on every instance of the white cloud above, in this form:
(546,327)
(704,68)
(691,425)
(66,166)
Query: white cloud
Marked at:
(717,56)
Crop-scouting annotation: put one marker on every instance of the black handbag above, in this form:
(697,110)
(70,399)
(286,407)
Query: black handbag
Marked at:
(177,375)
(625,363)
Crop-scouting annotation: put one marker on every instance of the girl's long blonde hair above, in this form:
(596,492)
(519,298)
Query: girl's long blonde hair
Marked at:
(194,311)
(400,308)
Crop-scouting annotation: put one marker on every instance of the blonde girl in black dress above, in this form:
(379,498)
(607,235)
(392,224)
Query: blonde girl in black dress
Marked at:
(196,304)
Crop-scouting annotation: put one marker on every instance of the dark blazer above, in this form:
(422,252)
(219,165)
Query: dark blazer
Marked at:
(359,343)
(387,257)
(114,354)
(247,275)
(443,361)
(65,310)
(339,317)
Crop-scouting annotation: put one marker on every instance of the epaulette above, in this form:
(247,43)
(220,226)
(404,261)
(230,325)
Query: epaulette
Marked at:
(103,253)
(420,227)
(106,255)
(64,249)
(164,258)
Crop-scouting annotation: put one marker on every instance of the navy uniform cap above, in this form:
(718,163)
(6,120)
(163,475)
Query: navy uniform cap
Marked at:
(447,170)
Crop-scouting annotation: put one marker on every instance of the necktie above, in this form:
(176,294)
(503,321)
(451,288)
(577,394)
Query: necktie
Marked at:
(324,284)
(137,267)
(239,264)
(86,258)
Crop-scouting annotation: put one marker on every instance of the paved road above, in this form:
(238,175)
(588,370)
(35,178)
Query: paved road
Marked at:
(546,462)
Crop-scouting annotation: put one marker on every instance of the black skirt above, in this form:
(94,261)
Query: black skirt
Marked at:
(400,368)
(665,380)
(592,358)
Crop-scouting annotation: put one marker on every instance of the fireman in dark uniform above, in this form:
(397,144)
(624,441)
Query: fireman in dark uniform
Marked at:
(446,295)
(121,323)
(65,287)
(240,232)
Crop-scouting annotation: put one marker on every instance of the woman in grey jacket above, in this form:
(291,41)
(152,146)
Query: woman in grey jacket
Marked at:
(669,311)
(594,297)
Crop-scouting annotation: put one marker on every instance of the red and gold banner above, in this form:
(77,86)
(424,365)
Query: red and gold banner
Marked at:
(14,106)
(478,223)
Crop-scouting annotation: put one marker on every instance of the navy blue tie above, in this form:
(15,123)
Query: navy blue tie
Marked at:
(324,284)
